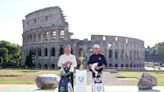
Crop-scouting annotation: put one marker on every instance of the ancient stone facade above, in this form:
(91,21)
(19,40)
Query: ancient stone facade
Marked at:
(45,32)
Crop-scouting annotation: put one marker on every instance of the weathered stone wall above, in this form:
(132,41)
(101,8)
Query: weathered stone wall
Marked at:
(45,32)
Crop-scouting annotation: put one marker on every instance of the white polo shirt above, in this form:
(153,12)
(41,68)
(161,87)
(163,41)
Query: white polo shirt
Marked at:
(64,58)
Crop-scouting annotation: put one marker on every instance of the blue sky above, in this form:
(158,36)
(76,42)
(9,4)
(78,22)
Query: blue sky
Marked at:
(143,19)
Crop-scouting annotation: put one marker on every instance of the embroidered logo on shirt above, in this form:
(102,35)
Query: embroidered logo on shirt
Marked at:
(99,58)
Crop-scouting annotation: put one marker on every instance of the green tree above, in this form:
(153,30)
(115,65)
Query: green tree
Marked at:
(11,54)
(1,60)
(4,54)
(28,61)
(160,50)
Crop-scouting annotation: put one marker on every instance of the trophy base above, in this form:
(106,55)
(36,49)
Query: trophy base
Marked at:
(81,80)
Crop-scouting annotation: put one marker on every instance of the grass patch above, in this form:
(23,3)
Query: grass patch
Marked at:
(126,77)
(137,75)
(10,75)
(29,71)
(22,76)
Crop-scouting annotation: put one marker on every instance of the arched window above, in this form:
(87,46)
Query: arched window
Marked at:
(62,34)
(52,51)
(53,35)
(47,36)
(45,52)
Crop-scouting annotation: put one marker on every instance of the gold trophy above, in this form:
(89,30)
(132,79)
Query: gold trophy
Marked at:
(81,58)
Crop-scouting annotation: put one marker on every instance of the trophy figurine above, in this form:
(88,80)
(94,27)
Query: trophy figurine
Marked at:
(81,75)
(81,58)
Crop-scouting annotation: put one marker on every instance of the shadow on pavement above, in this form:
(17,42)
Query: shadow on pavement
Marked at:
(152,90)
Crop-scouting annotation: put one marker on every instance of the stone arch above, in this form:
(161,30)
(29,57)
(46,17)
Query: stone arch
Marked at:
(61,50)
(110,65)
(45,66)
(127,66)
(53,66)
(122,65)
(131,65)
(45,52)
(62,34)
(39,66)
(126,55)
(131,55)
(30,37)
(39,36)
(110,53)
(32,51)
(135,55)
(53,35)
(116,65)
(116,38)
(47,36)
(134,65)
(116,53)
(34,37)
(39,52)
(52,51)
(122,53)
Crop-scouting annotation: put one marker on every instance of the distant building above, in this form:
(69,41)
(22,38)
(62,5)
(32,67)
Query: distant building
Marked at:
(45,32)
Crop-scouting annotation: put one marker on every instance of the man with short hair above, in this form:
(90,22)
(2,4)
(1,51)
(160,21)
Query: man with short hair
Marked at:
(68,57)
(97,57)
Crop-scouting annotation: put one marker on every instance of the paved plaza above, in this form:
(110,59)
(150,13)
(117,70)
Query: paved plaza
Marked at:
(33,88)
(112,84)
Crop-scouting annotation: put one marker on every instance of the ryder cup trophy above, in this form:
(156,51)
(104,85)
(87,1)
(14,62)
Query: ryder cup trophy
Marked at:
(81,75)
(81,58)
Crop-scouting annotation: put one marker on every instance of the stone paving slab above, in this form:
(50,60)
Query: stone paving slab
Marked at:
(33,88)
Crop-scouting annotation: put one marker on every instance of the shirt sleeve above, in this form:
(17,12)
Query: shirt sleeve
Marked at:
(74,62)
(104,60)
(90,60)
(60,62)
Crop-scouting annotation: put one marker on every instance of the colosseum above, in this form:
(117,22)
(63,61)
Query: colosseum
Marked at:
(45,32)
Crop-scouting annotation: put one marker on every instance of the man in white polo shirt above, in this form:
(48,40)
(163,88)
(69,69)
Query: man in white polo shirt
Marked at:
(68,57)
